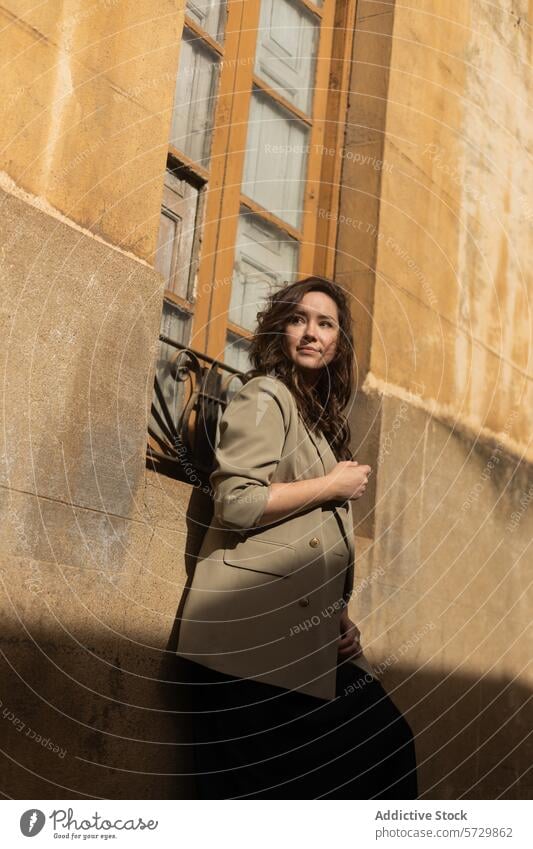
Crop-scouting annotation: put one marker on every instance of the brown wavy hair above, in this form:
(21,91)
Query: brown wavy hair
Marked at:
(320,406)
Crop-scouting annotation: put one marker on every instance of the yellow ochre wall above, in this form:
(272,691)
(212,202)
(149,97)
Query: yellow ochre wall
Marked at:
(89,87)
(445,128)
(456,200)
(434,243)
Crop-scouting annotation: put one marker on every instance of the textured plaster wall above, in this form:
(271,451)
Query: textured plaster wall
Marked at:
(435,220)
(443,599)
(455,216)
(91,564)
(89,586)
(85,116)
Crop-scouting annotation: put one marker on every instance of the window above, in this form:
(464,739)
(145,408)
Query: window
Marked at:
(194,98)
(254,154)
(265,257)
(287,42)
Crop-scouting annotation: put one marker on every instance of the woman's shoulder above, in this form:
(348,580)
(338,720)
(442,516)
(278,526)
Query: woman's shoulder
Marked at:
(268,383)
(258,395)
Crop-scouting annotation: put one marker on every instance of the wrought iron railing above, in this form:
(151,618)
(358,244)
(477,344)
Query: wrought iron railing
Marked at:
(191,390)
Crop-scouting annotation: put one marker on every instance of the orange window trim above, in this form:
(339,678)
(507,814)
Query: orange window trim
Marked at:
(229,134)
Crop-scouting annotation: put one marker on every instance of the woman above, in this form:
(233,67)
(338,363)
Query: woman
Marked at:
(284,705)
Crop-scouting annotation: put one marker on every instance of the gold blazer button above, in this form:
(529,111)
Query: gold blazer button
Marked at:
(314,541)
(303,602)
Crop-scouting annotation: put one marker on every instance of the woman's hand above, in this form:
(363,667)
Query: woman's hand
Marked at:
(349,641)
(348,479)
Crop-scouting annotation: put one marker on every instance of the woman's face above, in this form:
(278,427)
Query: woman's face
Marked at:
(312,333)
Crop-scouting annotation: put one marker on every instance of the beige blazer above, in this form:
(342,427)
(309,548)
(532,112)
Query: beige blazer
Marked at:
(265,600)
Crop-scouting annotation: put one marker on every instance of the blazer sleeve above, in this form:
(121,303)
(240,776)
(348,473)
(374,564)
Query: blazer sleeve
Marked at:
(251,439)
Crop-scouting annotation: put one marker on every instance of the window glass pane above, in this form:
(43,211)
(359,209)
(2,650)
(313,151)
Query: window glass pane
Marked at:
(176,324)
(287,41)
(210,15)
(265,260)
(236,353)
(174,257)
(168,235)
(276,159)
(194,99)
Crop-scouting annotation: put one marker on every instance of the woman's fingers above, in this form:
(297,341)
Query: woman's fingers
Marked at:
(349,643)
(351,652)
(349,637)
(352,631)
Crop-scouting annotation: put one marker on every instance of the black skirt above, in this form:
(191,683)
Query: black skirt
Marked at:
(256,741)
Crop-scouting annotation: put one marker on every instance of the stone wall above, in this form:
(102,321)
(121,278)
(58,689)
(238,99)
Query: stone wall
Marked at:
(434,231)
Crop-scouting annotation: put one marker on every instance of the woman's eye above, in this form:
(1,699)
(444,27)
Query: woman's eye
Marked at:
(294,318)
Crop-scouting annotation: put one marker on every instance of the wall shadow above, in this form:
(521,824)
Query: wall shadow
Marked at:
(90,719)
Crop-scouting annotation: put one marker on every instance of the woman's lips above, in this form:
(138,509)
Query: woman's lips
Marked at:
(314,350)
